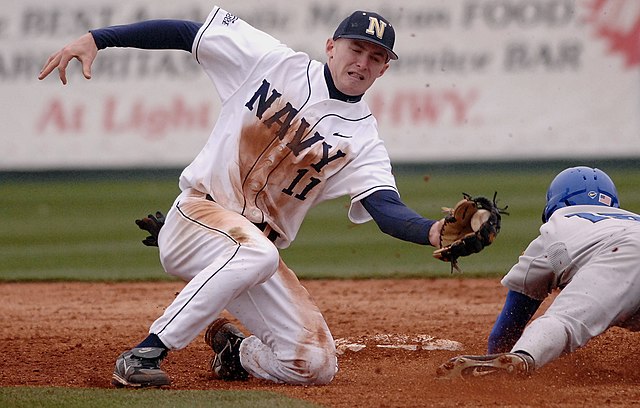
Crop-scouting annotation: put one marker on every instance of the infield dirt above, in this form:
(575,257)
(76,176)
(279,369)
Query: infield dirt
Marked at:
(69,334)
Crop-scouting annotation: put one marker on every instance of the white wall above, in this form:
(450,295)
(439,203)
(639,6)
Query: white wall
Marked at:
(476,80)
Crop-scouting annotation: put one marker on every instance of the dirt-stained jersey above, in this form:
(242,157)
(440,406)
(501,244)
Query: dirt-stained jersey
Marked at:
(280,145)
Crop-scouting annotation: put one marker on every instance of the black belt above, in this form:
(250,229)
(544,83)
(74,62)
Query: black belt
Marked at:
(272,235)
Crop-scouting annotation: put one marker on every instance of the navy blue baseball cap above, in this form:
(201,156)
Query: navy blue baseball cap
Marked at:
(368,26)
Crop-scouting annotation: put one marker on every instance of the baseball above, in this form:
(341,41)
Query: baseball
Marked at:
(479,218)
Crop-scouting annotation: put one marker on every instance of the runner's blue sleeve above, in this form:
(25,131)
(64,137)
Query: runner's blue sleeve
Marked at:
(518,309)
(394,218)
(149,35)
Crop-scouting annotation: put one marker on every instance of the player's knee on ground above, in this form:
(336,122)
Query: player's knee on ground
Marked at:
(318,368)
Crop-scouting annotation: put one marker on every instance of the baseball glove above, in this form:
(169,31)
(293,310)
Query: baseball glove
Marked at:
(468,228)
(152,224)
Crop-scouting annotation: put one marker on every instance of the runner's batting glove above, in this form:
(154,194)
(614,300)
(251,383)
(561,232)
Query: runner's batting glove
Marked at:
(468,228)
(151,224)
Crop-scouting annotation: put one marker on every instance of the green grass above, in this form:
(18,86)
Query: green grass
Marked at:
(79,229)
(82,228)
(50,397)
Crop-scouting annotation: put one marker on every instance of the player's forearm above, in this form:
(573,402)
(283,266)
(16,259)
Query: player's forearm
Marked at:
(394,218)
(518,309)
(151,34)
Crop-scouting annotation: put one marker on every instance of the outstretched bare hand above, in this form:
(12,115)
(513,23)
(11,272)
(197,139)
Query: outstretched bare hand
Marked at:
(84,49)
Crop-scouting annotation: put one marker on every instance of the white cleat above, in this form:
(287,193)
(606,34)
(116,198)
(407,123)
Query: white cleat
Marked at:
(517,364)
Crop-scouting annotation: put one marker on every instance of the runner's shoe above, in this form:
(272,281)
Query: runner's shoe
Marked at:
(517,364)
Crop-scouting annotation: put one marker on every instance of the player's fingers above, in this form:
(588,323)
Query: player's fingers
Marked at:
(62,69)
(52,62)
(86,65)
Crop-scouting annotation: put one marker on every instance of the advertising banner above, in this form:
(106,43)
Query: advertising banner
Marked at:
(476,80)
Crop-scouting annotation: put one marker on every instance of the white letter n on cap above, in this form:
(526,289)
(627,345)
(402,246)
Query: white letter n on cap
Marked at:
(376,27)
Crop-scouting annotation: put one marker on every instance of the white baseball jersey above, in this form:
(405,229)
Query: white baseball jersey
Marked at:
(592,253)
(280,145)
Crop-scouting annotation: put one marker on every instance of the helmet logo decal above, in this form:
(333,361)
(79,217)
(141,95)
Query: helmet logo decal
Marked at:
(592,194)
(605,199)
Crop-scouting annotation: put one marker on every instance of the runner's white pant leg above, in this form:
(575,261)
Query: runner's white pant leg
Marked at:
(221,255)
(291,342)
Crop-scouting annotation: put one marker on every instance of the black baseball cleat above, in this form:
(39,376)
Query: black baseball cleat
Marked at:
(517,364)
(140,367)
(225,338)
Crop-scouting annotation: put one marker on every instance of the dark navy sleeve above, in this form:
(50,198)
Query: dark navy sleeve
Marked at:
(149,35)
(518,309)
(394,218)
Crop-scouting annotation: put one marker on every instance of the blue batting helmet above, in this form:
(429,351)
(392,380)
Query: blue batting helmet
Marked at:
(580,186)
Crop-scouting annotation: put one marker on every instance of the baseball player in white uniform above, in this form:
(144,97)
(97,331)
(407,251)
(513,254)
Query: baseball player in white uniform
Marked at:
(293,132)
(589,248)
